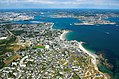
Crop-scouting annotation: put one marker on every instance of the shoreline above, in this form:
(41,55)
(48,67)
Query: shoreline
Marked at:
(62,36)
(94,56)
(94,59)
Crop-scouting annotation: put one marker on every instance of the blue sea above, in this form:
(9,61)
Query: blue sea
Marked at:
(98,38)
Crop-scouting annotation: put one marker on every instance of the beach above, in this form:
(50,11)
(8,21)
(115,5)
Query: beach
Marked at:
(94,56)
(62,37)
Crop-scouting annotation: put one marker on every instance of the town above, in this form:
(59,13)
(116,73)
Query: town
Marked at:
(37,52)
(88,19)
(13,16)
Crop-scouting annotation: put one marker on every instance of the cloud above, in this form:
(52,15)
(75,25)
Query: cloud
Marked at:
(41,1)
(59,3)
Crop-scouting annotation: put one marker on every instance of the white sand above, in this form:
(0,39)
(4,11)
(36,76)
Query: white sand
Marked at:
(62,37)
(94,56)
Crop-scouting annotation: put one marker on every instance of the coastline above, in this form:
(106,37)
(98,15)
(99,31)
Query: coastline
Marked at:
(62,36)
(94,56)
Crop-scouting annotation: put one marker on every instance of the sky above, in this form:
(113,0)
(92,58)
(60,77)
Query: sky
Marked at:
(85,4)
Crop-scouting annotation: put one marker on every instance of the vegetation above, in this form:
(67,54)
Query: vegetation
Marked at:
(10,59)
(5,44)
(1,64)
(18,32)
(40,47)
(8,45)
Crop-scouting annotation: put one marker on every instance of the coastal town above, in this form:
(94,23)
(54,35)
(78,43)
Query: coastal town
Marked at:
(89,19)
(37,51)
(12,16)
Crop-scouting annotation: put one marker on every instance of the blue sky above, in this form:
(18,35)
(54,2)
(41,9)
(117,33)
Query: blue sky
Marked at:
(99,4)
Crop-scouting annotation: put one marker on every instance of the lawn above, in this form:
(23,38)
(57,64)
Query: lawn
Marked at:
(42,47)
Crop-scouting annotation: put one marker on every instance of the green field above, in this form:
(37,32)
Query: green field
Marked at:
(42,47)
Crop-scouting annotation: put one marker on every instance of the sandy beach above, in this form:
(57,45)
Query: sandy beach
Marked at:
(94,56)
(62,37)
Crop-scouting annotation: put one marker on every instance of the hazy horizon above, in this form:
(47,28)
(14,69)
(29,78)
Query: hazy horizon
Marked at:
(59,4)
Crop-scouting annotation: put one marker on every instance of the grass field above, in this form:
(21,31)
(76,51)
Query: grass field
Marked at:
(11,59)
(40,47)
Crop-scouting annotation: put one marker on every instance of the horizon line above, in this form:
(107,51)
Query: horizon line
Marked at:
(62,8)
